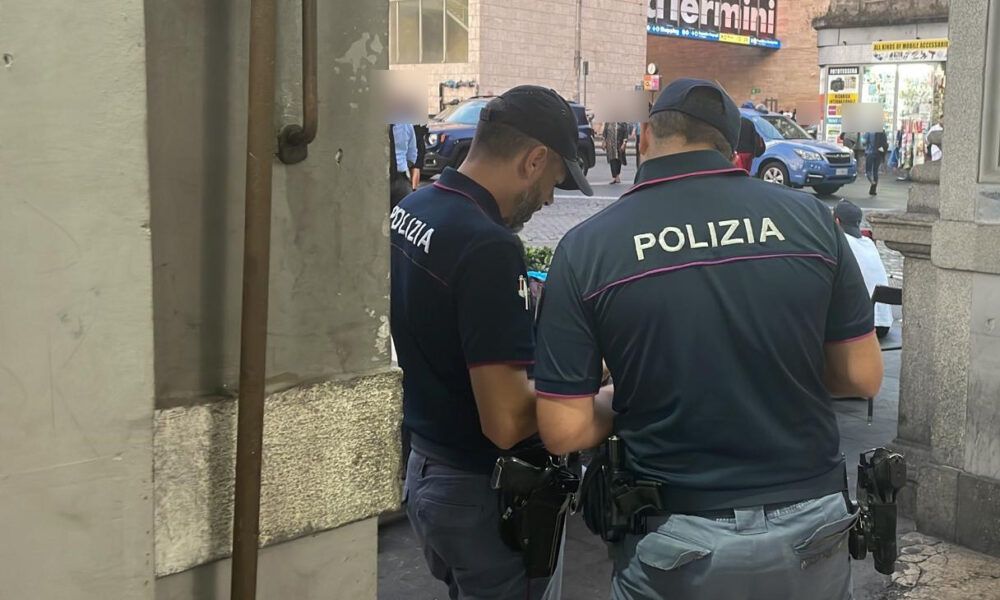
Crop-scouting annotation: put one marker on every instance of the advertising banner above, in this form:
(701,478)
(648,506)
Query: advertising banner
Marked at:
(933,50)
(843,84)
(743,22)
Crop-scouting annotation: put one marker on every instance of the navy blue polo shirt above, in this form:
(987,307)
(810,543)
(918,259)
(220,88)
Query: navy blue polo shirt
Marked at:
(710,295)
(457,273)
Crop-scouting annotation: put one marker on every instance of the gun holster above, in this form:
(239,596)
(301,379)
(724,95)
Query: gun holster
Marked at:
(881,475)
(534,501)
(614,502)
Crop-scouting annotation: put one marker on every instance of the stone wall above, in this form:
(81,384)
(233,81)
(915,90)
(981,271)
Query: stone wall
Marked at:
(790,74)
(873,13)
(950,382)
(76,339)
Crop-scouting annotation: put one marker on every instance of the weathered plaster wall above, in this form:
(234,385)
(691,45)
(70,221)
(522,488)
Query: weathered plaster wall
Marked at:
(76,345)
(329,264)
(331,422)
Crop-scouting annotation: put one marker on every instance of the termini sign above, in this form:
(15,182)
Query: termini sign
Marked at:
(746,22)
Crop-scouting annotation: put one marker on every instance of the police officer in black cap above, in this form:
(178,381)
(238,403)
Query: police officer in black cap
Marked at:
(465,336)
(729,311)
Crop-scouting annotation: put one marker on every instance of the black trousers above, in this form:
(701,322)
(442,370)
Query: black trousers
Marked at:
(399,187)
(616,167)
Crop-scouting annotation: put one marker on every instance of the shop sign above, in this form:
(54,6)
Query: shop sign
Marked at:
(651,83)
(843,85)
(911,51)
(743,22)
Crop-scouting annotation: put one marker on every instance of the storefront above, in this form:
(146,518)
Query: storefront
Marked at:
(906,77)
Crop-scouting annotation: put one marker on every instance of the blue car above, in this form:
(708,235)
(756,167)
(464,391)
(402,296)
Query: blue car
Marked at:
(449,135)
(795,159)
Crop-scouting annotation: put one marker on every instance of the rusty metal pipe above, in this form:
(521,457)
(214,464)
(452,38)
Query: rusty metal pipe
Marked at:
(293,143)
(256,273)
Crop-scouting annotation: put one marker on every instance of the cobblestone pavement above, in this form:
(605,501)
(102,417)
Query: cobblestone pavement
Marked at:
(570,208)
(934,570)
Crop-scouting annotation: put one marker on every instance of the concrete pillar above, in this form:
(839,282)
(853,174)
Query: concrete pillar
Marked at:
(76,338)
(121,219)
(949,422)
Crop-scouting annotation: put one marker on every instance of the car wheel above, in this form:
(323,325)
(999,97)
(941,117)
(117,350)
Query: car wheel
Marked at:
(582,162)
(774,172)
(828,189)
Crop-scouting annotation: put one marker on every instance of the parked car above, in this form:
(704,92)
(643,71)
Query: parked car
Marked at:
(795,159)
(450,133)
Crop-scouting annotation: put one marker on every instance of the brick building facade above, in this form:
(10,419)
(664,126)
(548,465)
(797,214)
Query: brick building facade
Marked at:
(511,42)
(788,75)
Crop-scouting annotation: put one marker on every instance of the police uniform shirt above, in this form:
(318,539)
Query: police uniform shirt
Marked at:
(458,301)
(710,296)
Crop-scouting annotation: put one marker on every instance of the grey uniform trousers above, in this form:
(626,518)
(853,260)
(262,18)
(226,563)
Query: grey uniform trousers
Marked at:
(798,552)
(455,515)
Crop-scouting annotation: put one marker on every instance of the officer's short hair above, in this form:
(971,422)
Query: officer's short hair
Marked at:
(499,141)
(669,123)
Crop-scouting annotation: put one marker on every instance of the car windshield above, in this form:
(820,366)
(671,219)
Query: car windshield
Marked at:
(765,129)
(466,114)
(788,128)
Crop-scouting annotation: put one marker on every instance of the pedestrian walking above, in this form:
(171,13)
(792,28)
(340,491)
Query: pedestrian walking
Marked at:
(615,138)
(876,147)
(464,336)
(728,311)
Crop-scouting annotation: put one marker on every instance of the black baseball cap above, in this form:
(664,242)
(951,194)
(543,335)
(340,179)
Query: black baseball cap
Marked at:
(675,97)
(849,215)
(544,115)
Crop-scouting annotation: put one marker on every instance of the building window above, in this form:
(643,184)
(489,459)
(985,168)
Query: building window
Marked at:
(428,31)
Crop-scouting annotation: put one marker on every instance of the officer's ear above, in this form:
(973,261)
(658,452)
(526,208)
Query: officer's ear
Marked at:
(534,162)
(644,139)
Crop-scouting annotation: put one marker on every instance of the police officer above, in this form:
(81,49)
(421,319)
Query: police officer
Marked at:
(464,334)
(729,311)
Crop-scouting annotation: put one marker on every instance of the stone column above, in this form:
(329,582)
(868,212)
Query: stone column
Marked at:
(949,411)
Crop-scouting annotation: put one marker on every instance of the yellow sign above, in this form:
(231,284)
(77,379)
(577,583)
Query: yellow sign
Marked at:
(843,98)
(910,45)
(732,38)
(911,51)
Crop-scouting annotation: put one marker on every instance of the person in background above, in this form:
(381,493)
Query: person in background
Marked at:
(421,134)
(750,146)
(848,216)
(876,146)
(638,130)
(934,144)
(402,170)
(615,137)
